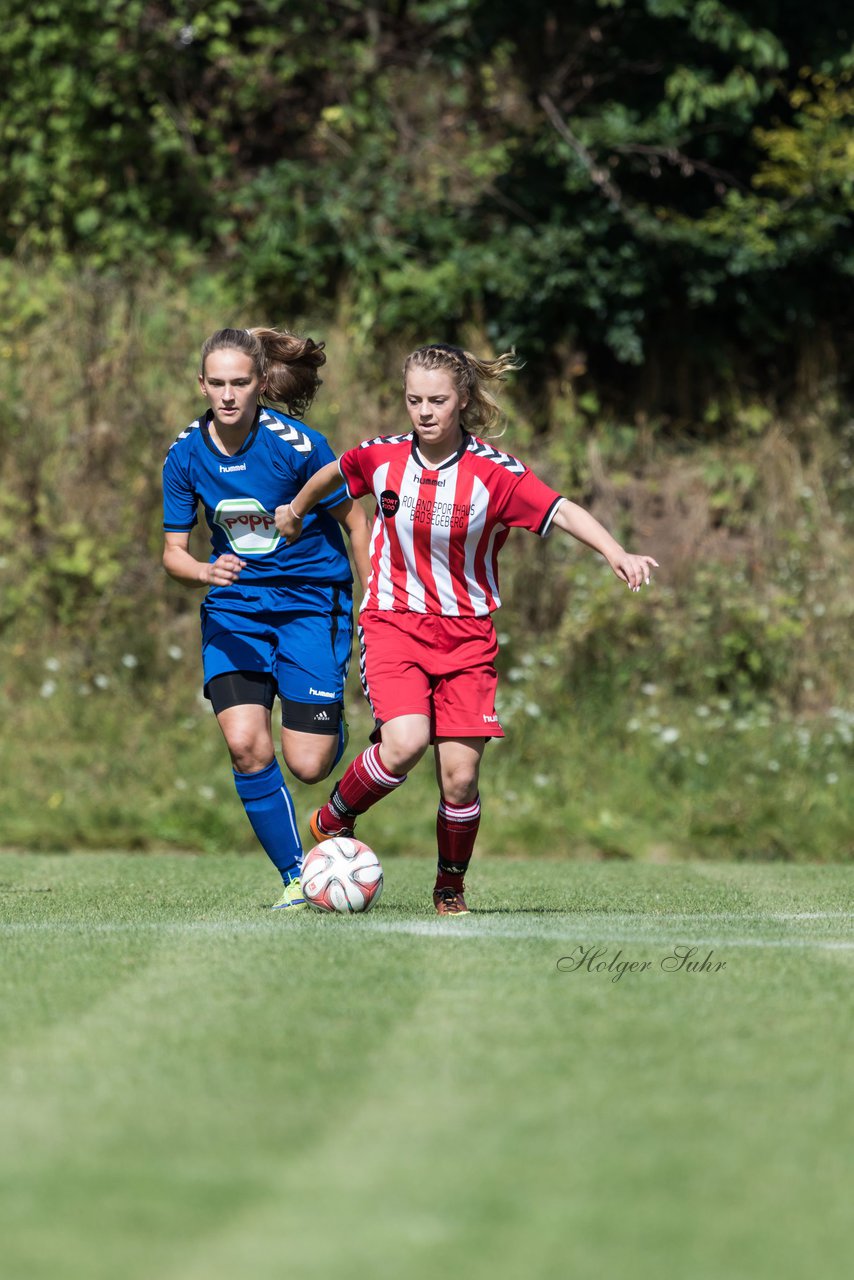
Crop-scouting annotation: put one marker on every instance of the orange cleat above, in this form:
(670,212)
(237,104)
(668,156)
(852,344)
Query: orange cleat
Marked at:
(318,832)
(449,903)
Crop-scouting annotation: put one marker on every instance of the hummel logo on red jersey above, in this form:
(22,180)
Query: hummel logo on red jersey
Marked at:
(366,444)
(495,455)
(440,484)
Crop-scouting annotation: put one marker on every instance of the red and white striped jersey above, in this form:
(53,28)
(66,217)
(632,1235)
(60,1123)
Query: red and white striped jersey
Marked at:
(438,531)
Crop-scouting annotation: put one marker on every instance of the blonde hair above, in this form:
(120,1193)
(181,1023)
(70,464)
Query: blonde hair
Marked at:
(471,377)
(288,364)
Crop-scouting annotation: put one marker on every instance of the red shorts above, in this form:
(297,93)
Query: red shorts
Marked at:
(426,664)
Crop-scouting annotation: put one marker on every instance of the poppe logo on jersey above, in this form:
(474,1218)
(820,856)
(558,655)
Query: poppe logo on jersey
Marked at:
(250,529)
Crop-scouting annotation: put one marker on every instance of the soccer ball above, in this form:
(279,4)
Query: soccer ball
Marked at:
(341,874)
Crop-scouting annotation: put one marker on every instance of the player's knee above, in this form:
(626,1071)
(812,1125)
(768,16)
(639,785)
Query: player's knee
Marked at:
(249,753)
(402,755)
(403,741)
(460,780)
(461,788)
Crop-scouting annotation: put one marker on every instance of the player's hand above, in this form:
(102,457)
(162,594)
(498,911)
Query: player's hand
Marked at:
(288,523)
(224,571)
(634,570)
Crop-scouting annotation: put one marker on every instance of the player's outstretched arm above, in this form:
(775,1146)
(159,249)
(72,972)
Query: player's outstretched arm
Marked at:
(289,518)
(580,524)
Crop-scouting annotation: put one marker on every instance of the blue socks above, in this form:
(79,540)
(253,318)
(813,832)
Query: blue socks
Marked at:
(270,809)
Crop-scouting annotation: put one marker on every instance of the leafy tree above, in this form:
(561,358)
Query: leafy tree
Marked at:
(651,189)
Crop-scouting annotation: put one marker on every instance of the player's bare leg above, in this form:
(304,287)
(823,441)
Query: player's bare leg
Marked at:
(310,757)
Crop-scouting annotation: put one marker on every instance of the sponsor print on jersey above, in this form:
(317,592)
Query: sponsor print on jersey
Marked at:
(438,552)
(442,515)
(251,531)
(389,503)
(434,538)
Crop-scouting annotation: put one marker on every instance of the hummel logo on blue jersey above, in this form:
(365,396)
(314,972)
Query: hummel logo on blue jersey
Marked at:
(321,693)
(288,432)
(238,466)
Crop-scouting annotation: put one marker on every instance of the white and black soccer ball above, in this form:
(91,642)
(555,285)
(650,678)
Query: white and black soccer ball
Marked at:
(341,874)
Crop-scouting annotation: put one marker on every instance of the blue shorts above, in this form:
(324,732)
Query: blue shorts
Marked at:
(301,636)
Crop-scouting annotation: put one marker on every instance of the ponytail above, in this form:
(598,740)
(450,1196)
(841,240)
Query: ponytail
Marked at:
(287,364)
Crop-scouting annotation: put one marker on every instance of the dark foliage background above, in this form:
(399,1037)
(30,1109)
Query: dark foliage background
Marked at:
(657,192)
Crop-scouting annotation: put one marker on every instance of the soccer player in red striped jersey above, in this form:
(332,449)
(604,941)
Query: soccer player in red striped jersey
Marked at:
(446,501)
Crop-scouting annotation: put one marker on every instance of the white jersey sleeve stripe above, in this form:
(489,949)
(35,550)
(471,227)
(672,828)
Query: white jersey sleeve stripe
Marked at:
(474,538)
(415,586)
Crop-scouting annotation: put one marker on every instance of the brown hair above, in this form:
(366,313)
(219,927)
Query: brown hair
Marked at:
(471,377)
(288,364)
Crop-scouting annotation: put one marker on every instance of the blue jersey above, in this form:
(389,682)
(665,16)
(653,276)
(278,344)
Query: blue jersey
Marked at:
(240,494)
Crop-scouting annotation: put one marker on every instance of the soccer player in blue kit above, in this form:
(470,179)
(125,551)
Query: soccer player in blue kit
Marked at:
(276,619)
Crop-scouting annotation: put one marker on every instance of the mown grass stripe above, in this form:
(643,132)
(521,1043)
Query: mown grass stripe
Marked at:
(191,1086)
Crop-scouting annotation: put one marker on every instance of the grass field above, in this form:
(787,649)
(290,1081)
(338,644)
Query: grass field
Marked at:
(194,1088)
